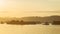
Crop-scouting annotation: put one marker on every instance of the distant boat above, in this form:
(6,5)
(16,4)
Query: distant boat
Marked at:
(46,23)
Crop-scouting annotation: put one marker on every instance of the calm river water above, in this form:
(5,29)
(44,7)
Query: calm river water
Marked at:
(29,29)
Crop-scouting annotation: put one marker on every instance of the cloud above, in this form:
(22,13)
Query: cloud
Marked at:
(42,12)
(53,0)
(48,11)
(3,11)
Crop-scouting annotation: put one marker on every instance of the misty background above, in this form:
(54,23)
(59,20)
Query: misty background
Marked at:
(22,8)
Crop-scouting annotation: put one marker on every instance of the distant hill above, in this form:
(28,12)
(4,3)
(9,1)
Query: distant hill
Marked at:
(42,19)
(48,19)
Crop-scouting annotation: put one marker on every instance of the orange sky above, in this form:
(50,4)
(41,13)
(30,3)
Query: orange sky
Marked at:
(20,8)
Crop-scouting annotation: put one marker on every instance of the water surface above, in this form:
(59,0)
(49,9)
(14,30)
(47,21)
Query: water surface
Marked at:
(29,29)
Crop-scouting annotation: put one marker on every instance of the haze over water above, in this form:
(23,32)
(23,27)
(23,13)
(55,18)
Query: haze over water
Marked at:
(23,8)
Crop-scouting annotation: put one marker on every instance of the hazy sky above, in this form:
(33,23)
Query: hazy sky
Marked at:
(19,8)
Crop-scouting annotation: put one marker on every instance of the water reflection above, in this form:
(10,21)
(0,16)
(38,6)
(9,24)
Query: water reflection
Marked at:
(29,29)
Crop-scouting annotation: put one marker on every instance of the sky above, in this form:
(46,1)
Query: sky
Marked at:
(22,8)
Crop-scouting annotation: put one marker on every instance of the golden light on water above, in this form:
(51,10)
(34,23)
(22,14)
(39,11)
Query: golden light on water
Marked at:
(29,29)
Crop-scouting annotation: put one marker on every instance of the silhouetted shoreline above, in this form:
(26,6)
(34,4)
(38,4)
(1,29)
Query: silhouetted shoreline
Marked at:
(54,20)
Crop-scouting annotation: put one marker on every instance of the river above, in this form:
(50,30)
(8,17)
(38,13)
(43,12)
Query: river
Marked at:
(29,29)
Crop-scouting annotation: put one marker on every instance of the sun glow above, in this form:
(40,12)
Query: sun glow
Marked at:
(2,2)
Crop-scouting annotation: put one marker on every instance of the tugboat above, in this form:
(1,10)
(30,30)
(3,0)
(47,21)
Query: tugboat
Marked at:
(46,23)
